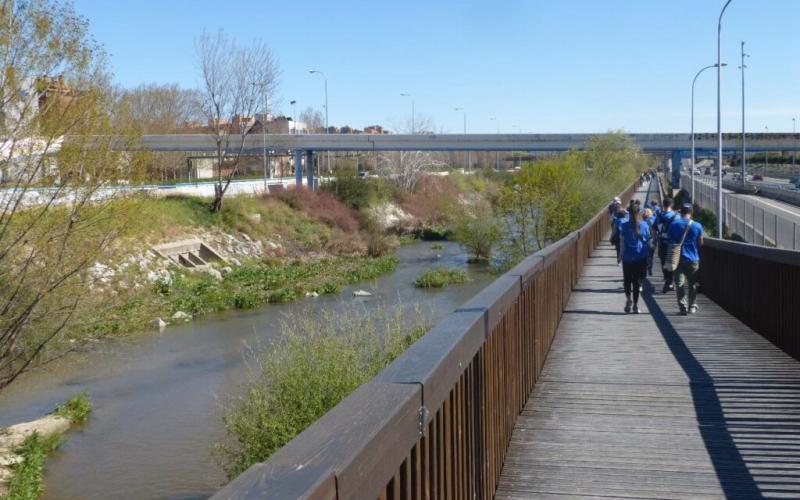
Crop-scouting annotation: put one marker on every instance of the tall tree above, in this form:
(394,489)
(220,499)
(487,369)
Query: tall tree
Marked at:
(57,217)
(235,82)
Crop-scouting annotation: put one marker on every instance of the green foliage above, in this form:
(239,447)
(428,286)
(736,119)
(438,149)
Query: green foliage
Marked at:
(702,215)
(441,277)
(26,480)
(360,192)
(253,285)
(540,204)
(437,246)
(479,235)
(549,198)
(323,358)
(76,409)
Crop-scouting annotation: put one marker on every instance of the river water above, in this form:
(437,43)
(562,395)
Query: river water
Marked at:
(156,396)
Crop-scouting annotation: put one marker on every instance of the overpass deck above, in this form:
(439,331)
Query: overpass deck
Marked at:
(655,405)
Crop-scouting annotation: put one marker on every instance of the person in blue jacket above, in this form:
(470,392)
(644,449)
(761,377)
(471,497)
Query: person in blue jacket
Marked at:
(620,217)
(688,272)
(663,221)
(649,217)
(635,234)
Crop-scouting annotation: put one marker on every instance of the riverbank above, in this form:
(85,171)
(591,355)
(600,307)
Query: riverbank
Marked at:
(156,395)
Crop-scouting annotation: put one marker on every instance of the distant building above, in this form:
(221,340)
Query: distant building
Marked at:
(375,130)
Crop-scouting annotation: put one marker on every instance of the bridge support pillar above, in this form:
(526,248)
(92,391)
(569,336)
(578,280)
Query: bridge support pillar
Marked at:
(298,167)
(677,155)
(310,169)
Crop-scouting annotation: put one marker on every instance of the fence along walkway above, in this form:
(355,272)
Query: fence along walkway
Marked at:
(655,405)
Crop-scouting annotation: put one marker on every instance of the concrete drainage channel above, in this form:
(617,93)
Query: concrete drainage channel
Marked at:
(191,254)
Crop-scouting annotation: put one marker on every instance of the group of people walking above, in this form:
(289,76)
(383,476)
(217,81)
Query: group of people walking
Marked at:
(638,231)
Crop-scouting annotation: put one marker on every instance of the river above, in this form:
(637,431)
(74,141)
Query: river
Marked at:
(156,395)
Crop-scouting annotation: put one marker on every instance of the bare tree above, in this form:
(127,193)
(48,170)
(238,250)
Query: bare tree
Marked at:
(404,168)
(313,119)
(158,109)
(56,217)
(234,83)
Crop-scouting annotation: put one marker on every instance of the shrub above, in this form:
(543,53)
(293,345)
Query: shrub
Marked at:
(322,206)
(76,409)
(26,481)
(324,357)
(479,235)
(441,277)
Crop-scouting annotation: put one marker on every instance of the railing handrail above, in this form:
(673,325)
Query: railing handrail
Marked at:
(356,449)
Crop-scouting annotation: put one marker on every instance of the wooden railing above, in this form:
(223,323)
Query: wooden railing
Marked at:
(437,422)
(758,285)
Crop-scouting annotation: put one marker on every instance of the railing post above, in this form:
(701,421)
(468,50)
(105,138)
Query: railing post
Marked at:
(776,230)
(794,237)
(763,227)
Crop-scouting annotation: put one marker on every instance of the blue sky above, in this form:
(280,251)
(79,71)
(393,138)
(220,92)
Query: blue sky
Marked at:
(542,65)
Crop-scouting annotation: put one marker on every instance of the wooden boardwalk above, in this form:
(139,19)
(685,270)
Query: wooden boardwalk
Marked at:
(655,405)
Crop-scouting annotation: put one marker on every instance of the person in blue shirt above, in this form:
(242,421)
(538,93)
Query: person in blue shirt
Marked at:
(635,234)
(650,218)
(619,218)
(688,272)
(663,221)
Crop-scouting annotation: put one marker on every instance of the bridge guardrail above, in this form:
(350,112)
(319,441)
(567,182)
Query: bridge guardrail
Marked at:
(758,285)
(752,223)
(437,421)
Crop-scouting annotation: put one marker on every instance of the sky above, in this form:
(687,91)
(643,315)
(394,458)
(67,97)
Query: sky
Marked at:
(536,66)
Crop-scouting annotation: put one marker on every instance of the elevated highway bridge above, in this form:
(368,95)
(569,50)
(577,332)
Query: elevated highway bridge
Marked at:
(677,146)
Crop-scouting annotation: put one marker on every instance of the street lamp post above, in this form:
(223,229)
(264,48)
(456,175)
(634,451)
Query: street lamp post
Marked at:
(744,138)
(263,87)
(693,154)
(496,153)
(766,153)
(719,121)
(519,131)
(465,133)
(294,116)
(403,94)
(325,78)
(794,139)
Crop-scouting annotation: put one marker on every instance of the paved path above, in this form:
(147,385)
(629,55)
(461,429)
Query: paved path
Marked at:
(655,405)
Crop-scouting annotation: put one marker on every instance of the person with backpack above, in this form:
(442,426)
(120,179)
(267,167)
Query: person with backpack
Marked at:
(634,234)
(619,218)
(689,235)
(663,221)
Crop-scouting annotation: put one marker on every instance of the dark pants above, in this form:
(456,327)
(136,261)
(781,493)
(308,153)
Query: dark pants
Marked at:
(662,255)
(632,275)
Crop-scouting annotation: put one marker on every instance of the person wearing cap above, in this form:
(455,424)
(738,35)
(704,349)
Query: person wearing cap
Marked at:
(688,272)
(613,207)
(663,220)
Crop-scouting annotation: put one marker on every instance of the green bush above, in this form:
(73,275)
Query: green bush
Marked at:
(441,277)
(479,236)
(26,480)
(76,409)
(324,357)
